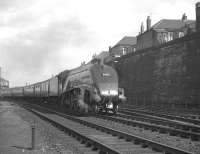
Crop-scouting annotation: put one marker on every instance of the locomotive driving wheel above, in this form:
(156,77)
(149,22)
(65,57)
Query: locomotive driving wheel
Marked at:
(75,107)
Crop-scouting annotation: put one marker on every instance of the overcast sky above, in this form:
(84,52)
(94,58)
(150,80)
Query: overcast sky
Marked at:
(39,38)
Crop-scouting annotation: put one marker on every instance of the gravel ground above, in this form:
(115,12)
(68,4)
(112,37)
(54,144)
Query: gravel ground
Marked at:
(50,140)
(17,121)
(185,144)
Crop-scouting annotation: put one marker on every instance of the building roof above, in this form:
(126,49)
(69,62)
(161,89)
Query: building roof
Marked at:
(103,55)
(3,80)
(127,40)
(171,24)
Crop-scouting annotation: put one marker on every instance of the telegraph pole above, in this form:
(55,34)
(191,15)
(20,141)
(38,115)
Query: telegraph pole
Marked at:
(0,79)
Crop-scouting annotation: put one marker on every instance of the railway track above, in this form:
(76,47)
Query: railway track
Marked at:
(156,134)
(160,121)
(102,138)
(124,119)
(185,118)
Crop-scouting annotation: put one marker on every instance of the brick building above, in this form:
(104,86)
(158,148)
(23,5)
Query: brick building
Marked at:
(163,31)
(126,45)
(4,83)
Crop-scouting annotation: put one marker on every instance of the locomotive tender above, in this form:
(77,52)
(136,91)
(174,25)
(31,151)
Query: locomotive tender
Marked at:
(92,87)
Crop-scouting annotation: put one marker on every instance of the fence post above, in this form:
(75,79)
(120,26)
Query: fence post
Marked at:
(33,136)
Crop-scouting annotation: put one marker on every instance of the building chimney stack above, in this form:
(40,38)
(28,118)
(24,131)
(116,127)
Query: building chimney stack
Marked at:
(109,49)
(142,28)
(148,23)
(184,18)
(198,16)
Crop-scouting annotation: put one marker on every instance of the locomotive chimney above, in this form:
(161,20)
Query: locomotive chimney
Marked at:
(142,28)
(198,16)
(148,23)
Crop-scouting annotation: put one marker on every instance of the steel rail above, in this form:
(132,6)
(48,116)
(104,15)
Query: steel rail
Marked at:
(162,129)
(89,142)
(158,147)
(161,121)
(169,116)
(184,114)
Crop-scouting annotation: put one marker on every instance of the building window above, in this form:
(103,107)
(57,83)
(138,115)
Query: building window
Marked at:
(165,37)
(123,51)
(160,38)
(180,34)
(170,36)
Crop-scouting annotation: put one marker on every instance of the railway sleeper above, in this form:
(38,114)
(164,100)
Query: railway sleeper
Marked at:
(154,130)
(157,150)
(121,137)
(94,148)
(197,130)
(136,142)
(146,128)
(194,138)
(145,145)
(162,131)
(114,134)
(172,133)
(83,141)
(88,144)
(152,145)
(70,133)
(185,128)
(128,139)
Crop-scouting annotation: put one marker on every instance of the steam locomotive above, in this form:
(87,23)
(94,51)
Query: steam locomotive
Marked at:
(90,88)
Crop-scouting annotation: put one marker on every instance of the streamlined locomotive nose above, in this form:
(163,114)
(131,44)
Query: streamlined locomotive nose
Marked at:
(106,80)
